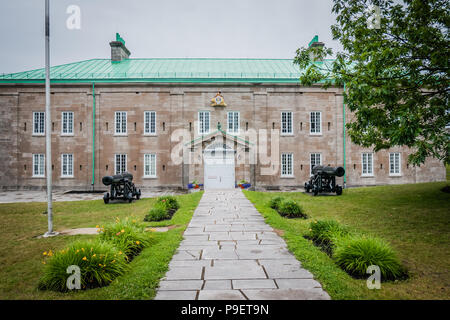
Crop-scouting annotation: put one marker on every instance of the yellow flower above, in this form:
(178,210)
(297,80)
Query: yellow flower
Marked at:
(120,252)
(44,253)
(84,258)
(122,231)
(137,242)
(100,264)
(43,262)
(50,253)
(94,255)
(82,249)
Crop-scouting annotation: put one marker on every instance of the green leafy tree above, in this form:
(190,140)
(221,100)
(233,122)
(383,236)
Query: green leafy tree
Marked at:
(395,67)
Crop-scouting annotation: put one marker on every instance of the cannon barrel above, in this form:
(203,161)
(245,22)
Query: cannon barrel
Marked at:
(116,179)
(331,171)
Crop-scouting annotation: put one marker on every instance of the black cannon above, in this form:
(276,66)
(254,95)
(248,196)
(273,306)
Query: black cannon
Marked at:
(122,187)
(324,180)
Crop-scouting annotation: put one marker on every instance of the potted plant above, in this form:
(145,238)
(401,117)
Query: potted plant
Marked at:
(195,184)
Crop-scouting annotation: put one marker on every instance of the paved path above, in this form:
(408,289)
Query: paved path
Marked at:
(58,195)
(229,252)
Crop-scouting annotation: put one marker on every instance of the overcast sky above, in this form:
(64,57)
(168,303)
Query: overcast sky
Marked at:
(161,29)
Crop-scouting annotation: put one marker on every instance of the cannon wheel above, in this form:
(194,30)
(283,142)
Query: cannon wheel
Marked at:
(106,198)
(307,188)
(338,190)
(315,190)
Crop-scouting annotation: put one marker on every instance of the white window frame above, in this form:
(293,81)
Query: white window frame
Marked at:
(285,173)
(148,117)
(41,119)
(315,154)
(201,124)
(234,126)
(123,123)
(122,163)
(287,123)
(319,123)
(69,131)
(149,162)
(368,173)
(67,162)
(399,163)
(40,157)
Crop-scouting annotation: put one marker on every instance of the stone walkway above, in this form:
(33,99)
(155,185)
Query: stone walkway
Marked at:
(229,253)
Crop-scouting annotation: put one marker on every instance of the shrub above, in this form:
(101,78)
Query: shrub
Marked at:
(355,253)
(326,232)
(157,213)
(290,208)
(274,203)
(169,202)
(100,263)
(127,235)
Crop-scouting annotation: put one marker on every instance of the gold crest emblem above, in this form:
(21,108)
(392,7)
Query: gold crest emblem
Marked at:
(218,101)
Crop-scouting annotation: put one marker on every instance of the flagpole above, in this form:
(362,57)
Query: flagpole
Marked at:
(48,123)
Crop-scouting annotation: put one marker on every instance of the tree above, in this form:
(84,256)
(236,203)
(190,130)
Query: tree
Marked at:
(396,74)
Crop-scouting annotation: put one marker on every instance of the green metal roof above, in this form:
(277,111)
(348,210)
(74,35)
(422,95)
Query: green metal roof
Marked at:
(199,70)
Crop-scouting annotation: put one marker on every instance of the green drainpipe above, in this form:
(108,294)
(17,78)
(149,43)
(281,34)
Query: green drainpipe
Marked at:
(93,134)
(343,111)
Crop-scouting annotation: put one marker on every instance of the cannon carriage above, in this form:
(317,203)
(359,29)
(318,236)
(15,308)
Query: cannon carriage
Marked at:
(324,180)
(122,187)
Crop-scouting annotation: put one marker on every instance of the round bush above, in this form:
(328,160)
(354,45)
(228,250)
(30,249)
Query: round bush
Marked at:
(127,235)
(157,213)
(326,232)
(99,262)
(355,254)
(290,208)
(169,202)
(274,203)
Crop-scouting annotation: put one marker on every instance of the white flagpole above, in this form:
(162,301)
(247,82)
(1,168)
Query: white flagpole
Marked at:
(48,124)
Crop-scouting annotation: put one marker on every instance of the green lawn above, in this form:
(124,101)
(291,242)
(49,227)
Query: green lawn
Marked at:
(21,252)
(414,219)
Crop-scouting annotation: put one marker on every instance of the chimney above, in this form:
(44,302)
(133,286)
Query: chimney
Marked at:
(118,50)
(315,44)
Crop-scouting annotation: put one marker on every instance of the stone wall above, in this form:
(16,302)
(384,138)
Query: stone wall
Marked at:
(177,108)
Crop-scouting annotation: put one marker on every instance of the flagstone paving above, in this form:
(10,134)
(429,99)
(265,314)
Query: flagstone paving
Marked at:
(230,253)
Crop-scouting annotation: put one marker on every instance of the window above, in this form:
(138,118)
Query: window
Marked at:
(121,122)
(120,165)
(233,122)
(38,165)
(203,122)
(286,122)
(394,164)
(315,160)
(67,165)
(367,164)
(287,165)
(149,122)
(39,123)
(67,123)
(150,165)
(315,122)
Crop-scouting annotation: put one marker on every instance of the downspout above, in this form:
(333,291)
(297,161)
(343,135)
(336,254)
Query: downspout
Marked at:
(93,135)
(343,112)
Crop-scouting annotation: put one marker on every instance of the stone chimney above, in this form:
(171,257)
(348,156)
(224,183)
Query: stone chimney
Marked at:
(314,43)
(118,50)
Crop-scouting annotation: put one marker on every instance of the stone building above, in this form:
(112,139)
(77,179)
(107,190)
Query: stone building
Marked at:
(172,121)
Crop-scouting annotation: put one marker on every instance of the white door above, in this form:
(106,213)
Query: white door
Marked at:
(218,168)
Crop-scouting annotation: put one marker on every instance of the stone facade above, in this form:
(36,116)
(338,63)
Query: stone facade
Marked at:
(177,107)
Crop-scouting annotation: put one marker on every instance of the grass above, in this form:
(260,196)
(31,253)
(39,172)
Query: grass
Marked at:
(414,219)
(21,252)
